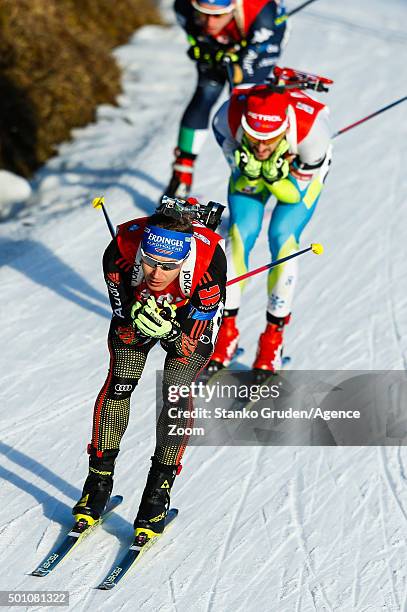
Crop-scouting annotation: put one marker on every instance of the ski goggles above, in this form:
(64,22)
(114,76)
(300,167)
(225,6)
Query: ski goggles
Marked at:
(268,141)
(164,265)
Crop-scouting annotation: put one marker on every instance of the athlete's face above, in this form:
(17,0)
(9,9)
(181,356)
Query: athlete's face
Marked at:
(156,278)
(263,149)
(212,25)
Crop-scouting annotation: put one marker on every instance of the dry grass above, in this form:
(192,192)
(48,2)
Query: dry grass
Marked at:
(56,67)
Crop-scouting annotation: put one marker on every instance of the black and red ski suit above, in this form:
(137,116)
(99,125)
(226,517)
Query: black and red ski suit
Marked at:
(201,283)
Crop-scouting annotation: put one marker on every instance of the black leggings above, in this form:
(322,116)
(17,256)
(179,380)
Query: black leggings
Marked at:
(209,87)
(112,407)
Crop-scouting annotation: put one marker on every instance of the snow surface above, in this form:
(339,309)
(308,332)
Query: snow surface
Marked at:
(268,529)
(14,189)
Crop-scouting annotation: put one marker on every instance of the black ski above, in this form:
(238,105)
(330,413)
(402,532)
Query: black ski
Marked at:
(77,534)
(133,555)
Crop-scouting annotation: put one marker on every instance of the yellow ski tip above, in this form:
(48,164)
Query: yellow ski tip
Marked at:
(97,202)
(317,248)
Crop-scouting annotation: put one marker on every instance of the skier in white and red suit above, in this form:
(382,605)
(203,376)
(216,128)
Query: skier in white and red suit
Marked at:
(151,265)
(277,144)
(250,34)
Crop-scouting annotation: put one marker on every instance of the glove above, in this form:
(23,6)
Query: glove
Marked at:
(154,321)
(276,167)
(223,56)
(200,51)
(247,162)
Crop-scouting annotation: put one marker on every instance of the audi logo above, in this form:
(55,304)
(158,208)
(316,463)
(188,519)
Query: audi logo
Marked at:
(123,387)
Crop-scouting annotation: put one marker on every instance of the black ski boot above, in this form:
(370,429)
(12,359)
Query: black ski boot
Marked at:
(98,486)
(155,501)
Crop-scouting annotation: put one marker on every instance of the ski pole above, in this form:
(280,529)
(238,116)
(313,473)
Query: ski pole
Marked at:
(227,63)
(315,247)
(100,203)
(290,13)
(381,110)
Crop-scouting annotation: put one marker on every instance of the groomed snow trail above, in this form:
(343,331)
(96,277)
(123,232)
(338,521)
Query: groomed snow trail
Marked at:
(291,529)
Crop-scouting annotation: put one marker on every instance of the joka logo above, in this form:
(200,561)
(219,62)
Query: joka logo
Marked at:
(187,280)
(209,296)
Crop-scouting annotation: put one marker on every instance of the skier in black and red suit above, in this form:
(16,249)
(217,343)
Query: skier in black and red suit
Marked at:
(250,35)
(151,265)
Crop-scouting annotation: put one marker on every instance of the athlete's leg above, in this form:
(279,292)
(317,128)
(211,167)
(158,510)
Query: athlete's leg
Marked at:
(246,216)
(112,407)
(110,419)
(193,131)
(286,226)
(180,371)
(172,436)
(195,120)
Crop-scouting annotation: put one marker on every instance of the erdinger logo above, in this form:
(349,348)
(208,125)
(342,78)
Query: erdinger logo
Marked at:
(164,240)
(272,118)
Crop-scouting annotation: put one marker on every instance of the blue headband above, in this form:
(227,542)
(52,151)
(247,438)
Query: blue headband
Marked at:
(167,243)
(217,7)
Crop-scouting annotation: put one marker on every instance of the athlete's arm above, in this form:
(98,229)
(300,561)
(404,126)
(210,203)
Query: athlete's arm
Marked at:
(117,273)
(264,42)
(204,305)
(223,135)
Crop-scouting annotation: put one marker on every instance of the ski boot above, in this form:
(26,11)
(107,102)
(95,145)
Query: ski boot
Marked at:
(181,180)
(270,348)
(98,486)
(226,345)
(155,502)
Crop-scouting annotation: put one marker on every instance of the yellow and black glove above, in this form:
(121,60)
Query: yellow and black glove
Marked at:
(276,167)
(247,163)
(204,52)
(156,321)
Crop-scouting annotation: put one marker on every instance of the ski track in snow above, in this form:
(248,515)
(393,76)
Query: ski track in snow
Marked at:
(272,529)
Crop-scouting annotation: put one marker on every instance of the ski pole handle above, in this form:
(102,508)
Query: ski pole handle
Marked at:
(100,203)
